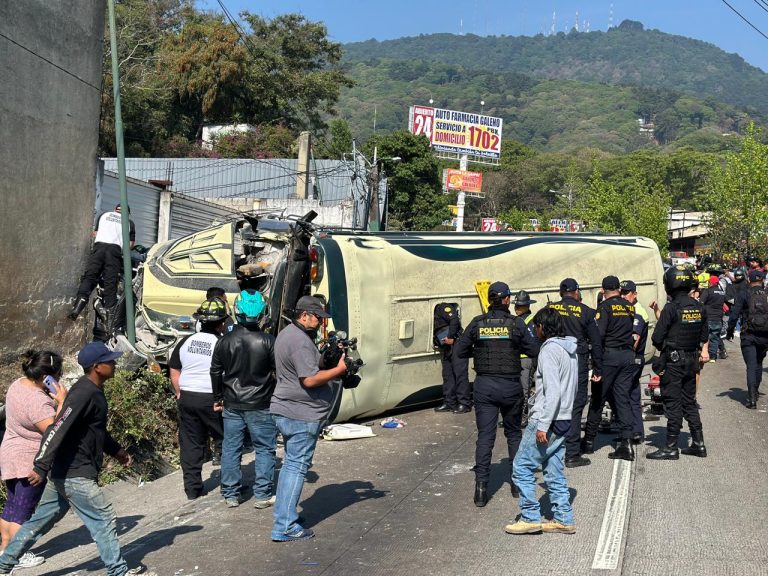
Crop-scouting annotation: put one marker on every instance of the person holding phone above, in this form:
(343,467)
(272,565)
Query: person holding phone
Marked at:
(30,408)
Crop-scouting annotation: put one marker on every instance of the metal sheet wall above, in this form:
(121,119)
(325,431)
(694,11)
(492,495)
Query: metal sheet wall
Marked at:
(143,199)
(189,215)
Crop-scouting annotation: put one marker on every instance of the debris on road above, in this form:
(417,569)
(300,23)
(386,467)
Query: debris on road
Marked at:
(392,422)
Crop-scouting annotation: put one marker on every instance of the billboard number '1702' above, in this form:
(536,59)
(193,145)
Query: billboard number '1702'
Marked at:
(457,132)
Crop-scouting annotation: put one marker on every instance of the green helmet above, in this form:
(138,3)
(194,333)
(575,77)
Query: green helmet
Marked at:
(249,307)
(212,310)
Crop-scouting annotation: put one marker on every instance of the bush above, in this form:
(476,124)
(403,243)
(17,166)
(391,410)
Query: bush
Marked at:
(142,418)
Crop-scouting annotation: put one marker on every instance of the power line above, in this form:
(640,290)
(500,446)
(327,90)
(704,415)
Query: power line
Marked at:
(740,15)
(44,59)
(762,4)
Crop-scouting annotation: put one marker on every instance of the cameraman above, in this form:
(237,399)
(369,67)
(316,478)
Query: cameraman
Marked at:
(301,401)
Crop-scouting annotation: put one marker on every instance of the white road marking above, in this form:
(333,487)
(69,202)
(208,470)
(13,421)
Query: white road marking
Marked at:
(612,531)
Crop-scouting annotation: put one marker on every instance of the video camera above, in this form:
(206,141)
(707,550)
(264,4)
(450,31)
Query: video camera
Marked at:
(332,348)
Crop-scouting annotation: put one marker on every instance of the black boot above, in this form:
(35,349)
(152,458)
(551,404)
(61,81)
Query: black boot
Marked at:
(752,400)
(77,307)
(669,452)
(481,494)
(697,447)
(587,445)
(625,451)
(444,408)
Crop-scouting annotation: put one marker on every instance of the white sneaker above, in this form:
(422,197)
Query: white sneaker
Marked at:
(30,560)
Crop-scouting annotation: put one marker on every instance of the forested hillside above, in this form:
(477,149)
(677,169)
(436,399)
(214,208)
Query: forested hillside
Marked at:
(551,115)
(627,54)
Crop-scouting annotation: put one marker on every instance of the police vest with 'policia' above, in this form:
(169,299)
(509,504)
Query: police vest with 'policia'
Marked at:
(493,333)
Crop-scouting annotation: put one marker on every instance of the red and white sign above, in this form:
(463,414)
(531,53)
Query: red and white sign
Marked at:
(457,132)
(490,225)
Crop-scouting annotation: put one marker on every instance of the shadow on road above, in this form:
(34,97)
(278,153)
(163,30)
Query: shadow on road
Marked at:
(329,500)
(135,551)
(736,394)
(81,536)
(657,436)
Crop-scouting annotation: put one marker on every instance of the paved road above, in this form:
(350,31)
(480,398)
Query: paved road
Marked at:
(401,503)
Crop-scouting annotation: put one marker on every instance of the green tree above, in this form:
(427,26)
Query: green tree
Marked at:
(339,140)
(737,199)
(416,201)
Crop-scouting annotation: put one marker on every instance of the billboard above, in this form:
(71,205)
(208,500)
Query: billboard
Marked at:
(489,225)
(463,180)
(457,132)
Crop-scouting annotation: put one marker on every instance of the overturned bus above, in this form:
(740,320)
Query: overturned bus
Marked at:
(381,288)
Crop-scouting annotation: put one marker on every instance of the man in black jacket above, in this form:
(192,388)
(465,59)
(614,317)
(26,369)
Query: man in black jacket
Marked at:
(242,377)
(580,323)
(457,396)
(713,300)
(72,451)
(495,340)
(751,308)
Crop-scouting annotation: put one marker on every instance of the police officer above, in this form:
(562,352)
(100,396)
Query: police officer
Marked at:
(640,335)
(681,335)
(579,320)
(522,304)
(614,318)
(496,339)
(447,328)
(751,307)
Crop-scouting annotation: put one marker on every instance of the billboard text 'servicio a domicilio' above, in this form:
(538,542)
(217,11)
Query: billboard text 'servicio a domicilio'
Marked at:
(457,132)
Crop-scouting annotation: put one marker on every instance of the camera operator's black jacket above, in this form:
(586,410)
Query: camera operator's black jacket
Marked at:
(242,369)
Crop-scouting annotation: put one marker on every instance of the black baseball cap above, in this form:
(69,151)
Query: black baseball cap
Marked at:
(628,286)
(755,275)
(499,289)
(569,285)
(96,353)
(611,283)
(313,306)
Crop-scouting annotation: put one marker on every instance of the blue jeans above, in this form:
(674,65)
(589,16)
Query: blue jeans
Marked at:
(549,456)
(715,326)
(90,504)
(264,437)
(300,440)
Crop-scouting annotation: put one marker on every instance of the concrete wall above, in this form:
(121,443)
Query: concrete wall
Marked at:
(50,66)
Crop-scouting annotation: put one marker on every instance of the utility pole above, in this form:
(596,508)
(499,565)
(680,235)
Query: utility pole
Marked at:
(461,196)
(302,170)
(373,220)
(130,321)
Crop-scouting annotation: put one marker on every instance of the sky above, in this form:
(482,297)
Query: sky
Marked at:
(355,20)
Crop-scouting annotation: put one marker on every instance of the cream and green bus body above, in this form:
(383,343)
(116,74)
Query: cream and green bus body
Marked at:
(383,287)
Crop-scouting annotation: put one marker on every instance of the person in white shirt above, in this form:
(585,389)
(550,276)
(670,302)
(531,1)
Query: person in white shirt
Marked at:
(199,414)
(105,261)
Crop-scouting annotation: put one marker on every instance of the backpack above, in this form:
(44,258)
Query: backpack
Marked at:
(757,311)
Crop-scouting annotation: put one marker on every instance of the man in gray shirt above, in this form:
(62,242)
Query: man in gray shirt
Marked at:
(300,402)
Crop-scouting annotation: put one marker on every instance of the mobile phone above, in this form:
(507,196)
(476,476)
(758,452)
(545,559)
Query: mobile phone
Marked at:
(50,384)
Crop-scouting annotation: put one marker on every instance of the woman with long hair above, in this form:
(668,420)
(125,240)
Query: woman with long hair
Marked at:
(30,408)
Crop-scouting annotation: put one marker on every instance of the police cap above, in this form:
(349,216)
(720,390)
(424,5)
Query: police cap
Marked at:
(755,275)
(628,286)
(498,290)
(611,283)
(569,285)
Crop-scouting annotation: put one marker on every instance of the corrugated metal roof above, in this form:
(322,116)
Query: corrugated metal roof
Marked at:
(242,178)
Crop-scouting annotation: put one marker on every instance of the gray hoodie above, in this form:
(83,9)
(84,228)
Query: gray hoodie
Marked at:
(557,377)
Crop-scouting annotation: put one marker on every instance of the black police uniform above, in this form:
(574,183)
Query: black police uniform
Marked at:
(754,343)
(496,339)
(579,321)
(640,329)
(614,319)
(679,334)
(456,391)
